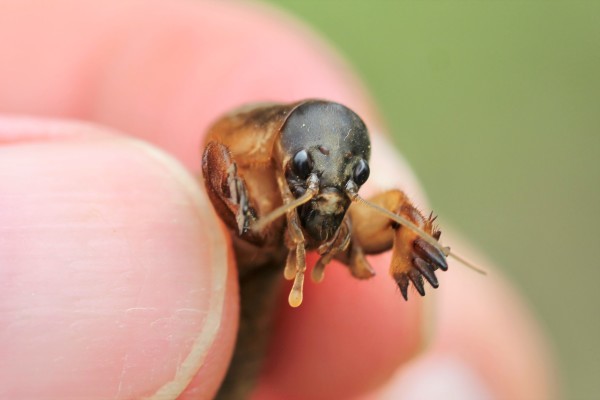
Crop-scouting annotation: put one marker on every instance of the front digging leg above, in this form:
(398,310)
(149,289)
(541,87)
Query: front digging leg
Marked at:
(413,258)
(227,191)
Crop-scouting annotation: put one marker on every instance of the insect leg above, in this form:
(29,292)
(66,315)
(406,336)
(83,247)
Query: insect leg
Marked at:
(329,250)
(356,261)
(351,254)
(413,258)
(227,190)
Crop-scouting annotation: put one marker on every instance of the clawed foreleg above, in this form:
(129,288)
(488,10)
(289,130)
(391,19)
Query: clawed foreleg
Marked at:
(413,259)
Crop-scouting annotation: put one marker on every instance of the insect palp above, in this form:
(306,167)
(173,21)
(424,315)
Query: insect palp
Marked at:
(311,191)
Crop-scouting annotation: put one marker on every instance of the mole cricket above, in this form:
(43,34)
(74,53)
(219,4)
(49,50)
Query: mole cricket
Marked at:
(285,178)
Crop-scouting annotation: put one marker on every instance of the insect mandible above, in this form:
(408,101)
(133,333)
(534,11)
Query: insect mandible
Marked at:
(285,179)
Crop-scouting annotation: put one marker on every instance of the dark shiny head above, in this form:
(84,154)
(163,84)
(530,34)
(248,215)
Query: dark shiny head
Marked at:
(330,140)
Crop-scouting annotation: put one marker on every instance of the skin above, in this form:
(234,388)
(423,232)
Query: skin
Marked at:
(116,276)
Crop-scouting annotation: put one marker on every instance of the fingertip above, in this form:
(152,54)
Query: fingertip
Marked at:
(209,377)
(117,283)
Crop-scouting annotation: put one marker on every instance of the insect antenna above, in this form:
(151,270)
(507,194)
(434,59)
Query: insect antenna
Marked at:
(352,192)
(467,263)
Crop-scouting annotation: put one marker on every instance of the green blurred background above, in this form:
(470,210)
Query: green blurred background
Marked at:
(496,104)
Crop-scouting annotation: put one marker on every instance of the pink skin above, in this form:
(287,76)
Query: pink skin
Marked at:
(115,274)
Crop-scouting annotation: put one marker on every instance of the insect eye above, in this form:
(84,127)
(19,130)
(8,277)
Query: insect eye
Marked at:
(302,164)
(361,172)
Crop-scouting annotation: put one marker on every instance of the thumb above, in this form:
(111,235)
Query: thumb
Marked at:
(112,284)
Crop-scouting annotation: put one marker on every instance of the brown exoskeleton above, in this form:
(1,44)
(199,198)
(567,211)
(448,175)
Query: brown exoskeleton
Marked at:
(284,178)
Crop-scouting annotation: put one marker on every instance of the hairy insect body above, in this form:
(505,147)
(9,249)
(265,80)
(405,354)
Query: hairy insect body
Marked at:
(285,179)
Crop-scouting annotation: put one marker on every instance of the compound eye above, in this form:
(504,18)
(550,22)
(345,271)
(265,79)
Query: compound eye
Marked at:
(302,164)
(361,172)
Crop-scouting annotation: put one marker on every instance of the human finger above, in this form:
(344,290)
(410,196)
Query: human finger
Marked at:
(115,280)
(163,72)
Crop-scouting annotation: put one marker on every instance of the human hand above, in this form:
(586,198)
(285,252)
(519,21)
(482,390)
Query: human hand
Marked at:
(115,274)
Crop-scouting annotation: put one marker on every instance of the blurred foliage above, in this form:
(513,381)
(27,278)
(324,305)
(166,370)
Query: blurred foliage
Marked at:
(496,104)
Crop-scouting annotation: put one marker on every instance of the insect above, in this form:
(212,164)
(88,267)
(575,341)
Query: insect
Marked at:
(285,179)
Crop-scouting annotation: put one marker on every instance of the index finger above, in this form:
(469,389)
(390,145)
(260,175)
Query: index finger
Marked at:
(163,71)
